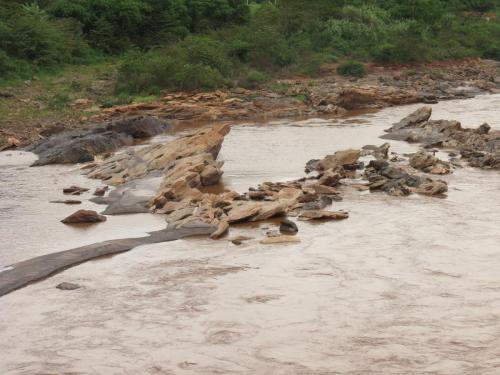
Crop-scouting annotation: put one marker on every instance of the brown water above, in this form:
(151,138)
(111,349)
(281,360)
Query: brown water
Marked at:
(405,285)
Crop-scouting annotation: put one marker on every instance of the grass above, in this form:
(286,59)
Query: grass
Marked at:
(51,94)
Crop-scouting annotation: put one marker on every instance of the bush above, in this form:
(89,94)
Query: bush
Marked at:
(253,79)
(154,71)
(352,68)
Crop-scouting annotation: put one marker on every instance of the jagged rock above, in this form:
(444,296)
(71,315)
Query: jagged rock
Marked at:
(329,178)
(478,146)
(210,175)
(74,190)
(84,216)
(288,227)
(428,163)
(339,160)
(312,165)
(318,204)
(323,215)
(379,152)
(280,240)
(414,119)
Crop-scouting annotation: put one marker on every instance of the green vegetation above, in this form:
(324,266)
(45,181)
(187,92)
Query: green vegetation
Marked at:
(352,68)
(208,44)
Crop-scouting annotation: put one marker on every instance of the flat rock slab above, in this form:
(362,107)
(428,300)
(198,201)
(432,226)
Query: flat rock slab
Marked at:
(26,272)
(323,215)
(280,240)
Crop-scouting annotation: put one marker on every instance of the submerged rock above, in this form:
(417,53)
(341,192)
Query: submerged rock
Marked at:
(68,286)
(68,201)
(84,216)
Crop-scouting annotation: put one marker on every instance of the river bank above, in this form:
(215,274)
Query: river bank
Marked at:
(327,96)
(406,284)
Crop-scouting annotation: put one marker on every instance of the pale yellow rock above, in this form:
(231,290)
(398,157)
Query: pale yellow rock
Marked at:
(280,240)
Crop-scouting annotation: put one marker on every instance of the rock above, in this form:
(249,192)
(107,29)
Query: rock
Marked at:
(240,239)
(82,146)
(379,152)
(428,163)
(356,98)
(414,119)
(268,210)
(100,192)
(222,228)
(74,190)
(318,204)
(288,227)
(280,240)
(138,127)
(82,102)
(329,178)
(67,286)
(339,159)
(241,211)
(12,143)
(210,175)
(323,215)
(483,129)
(68,201)
(84,216)
(432,188)
(312,165)
(326,190)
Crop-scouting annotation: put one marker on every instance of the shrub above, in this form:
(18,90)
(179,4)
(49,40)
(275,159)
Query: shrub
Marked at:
(253,79)
(352,68)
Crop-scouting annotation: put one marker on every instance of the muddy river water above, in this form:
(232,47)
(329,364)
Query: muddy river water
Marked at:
(405,285)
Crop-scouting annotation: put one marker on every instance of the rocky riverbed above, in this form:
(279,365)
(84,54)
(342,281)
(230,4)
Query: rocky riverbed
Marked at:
(327,96)
(392,254)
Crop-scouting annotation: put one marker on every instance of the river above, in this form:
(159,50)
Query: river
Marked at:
(405,285)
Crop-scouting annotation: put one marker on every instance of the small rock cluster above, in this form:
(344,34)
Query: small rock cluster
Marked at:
(479,147)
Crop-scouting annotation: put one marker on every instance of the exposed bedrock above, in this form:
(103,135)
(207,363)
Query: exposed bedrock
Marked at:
(83,146)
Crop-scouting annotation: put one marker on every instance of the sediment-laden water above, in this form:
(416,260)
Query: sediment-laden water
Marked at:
(405,285)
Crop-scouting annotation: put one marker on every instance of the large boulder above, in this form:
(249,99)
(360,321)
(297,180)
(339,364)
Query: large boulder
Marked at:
(83,146)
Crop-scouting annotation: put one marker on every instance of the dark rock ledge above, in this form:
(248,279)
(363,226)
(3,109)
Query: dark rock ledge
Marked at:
(26,272)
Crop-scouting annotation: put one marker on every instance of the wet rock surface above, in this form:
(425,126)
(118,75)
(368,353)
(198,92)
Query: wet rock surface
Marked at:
(83,146)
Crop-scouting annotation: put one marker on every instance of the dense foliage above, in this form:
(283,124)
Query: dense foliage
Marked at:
(193,44)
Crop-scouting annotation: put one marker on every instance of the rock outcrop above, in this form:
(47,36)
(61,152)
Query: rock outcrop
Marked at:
(479,147)
(83,146)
